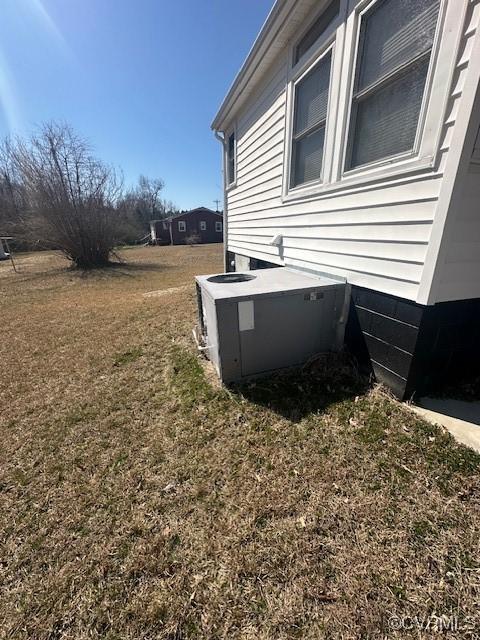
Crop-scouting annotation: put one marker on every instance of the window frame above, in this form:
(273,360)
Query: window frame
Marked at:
(426,153)
(327,49)
(165,225)
(228,135)
(312,129)
(331,41)
(183,224)
(422,151)
(218,226)
(203,225)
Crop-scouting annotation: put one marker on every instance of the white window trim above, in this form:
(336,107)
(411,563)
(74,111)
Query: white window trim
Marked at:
(182,226)
(231,185)
(218,226)
(329,49)
(424,157)
(203,225)
(331,41)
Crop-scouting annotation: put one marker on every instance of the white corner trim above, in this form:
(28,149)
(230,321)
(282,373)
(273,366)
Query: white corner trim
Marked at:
(457,162)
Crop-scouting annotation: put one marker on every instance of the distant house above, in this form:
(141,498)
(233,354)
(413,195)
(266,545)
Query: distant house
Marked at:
(198,226)
(352,148)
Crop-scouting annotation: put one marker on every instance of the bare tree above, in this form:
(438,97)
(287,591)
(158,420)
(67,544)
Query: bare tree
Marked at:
(142,204)
(148,192)
(71,195)
(12,193)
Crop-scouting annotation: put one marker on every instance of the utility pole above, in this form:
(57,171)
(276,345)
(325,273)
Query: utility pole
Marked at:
(217,202)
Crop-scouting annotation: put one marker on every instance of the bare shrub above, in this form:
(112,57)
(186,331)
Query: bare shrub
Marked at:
(70,195)
(193,238)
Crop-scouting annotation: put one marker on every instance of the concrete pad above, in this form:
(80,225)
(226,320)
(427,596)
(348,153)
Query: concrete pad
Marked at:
(461,419)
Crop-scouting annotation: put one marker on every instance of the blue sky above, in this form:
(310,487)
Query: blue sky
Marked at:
(140,79)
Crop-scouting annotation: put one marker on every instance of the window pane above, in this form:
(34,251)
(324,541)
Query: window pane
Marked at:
(231,158)
(395,32)
(311,97)
(316,30)
(307,156)
(386,122)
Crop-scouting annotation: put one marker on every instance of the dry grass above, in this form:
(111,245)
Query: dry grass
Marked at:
(139,501)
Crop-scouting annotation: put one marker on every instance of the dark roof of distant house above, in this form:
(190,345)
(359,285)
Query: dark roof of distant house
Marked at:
(183,213)
(198,210)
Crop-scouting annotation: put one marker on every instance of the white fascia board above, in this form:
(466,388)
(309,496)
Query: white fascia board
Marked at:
(257,60)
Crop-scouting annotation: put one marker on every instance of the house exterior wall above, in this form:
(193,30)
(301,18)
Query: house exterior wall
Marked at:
(193,232)
(193,228)
(459,275)
(161,234)
(458,270)
(374,233)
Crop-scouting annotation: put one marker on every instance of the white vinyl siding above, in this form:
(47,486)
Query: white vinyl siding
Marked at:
(454,273)
(376,233)
(460,273)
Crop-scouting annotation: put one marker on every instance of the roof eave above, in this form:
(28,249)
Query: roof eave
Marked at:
(253,60)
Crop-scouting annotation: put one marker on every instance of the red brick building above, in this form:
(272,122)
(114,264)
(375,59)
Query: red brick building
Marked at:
(198,226)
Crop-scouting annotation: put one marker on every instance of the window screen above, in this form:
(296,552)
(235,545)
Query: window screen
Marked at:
(231,158)
(395,45)
(310,115)
(316,30)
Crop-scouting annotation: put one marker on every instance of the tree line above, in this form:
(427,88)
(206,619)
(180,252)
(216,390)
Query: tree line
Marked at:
(56,194)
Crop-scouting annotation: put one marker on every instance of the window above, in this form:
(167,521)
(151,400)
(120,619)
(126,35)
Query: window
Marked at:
(309,120)
(218,226)
(395,44)
(181,225)
(316,30)
(231,158)
(165,225)
(203,225)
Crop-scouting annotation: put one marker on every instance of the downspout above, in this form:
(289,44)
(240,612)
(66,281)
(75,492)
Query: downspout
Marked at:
(221,139)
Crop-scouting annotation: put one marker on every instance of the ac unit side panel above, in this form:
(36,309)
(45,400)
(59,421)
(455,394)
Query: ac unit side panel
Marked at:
(229,342)
(288,330)
(209,313)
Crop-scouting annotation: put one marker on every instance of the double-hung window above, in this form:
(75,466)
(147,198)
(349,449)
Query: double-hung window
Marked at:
(218,226)
(309,122)
(203,225)
(182,226)
(394,51)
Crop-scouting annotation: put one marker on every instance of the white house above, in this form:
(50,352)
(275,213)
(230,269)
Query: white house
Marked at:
(352,133)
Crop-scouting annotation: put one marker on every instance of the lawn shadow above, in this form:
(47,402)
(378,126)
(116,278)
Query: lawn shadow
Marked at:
(296,393)
(122,269)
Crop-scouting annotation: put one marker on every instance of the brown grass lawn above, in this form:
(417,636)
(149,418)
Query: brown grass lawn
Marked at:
(140,501)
